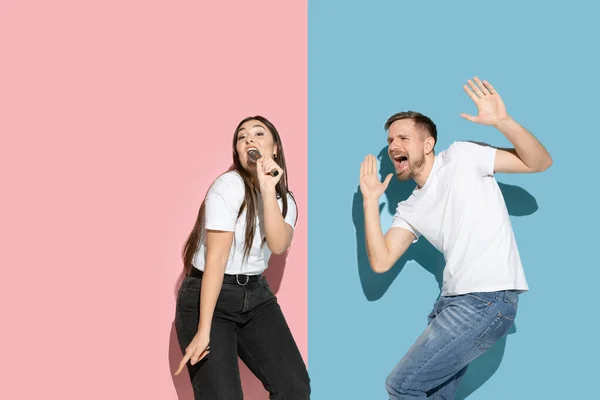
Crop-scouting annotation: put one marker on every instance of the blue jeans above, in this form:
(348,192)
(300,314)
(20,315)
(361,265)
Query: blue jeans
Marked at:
(460,329)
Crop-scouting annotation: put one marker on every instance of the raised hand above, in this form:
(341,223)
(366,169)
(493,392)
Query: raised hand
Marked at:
(370,186)
(490,107)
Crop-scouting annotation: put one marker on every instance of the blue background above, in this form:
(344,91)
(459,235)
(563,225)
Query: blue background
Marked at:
(370,60)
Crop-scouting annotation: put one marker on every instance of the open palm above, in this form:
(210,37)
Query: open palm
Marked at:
(490,107)
(370,186)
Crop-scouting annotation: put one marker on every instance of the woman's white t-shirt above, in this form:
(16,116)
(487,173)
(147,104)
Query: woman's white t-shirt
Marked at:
(222,205)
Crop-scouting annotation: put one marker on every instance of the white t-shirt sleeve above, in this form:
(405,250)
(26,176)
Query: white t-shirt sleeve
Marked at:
(223,203)
(481,156)
(292,212)
(399,222)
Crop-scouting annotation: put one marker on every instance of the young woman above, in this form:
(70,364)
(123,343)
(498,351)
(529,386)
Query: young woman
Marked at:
(225,307)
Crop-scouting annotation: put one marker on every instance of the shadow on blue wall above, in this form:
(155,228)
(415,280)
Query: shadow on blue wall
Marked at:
(519,203)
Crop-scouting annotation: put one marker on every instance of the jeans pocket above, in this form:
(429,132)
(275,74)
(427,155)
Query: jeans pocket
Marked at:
(188,299)
(499,327)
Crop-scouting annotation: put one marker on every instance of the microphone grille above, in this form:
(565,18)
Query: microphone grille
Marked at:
(254,155)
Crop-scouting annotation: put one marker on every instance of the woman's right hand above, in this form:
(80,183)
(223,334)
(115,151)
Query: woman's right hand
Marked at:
(196,350)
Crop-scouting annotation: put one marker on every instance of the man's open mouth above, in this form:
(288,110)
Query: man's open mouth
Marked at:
(400,161)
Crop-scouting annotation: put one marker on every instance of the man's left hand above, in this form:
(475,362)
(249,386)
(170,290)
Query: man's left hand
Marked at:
(490,107)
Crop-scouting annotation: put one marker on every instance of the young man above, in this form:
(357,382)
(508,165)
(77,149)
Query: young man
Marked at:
(457,205)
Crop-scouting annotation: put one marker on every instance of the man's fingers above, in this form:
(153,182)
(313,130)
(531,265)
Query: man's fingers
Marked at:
(468,117)
(386,182)
(368,166)
(482,87)
(475,89)
(489,87)
(471,94)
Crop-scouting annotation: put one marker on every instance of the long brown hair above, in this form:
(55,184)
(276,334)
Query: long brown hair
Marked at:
(250,200)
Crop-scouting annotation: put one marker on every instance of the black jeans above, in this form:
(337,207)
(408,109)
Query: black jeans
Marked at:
(248,323)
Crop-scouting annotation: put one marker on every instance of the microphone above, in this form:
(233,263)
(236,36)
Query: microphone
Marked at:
(254,155)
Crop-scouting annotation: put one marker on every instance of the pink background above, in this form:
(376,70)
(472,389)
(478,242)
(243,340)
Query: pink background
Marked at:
(115,117)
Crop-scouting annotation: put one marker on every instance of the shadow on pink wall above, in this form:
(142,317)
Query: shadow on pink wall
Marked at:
(252,387)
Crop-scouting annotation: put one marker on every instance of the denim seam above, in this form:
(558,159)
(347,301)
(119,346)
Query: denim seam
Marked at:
(449,342)
(244,301)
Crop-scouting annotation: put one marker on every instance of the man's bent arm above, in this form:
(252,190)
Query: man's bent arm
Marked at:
(383,251)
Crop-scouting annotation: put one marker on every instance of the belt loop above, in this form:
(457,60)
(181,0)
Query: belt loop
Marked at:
(237,279)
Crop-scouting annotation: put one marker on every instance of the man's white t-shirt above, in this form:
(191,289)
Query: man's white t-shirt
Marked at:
(460,210)
(222,205)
